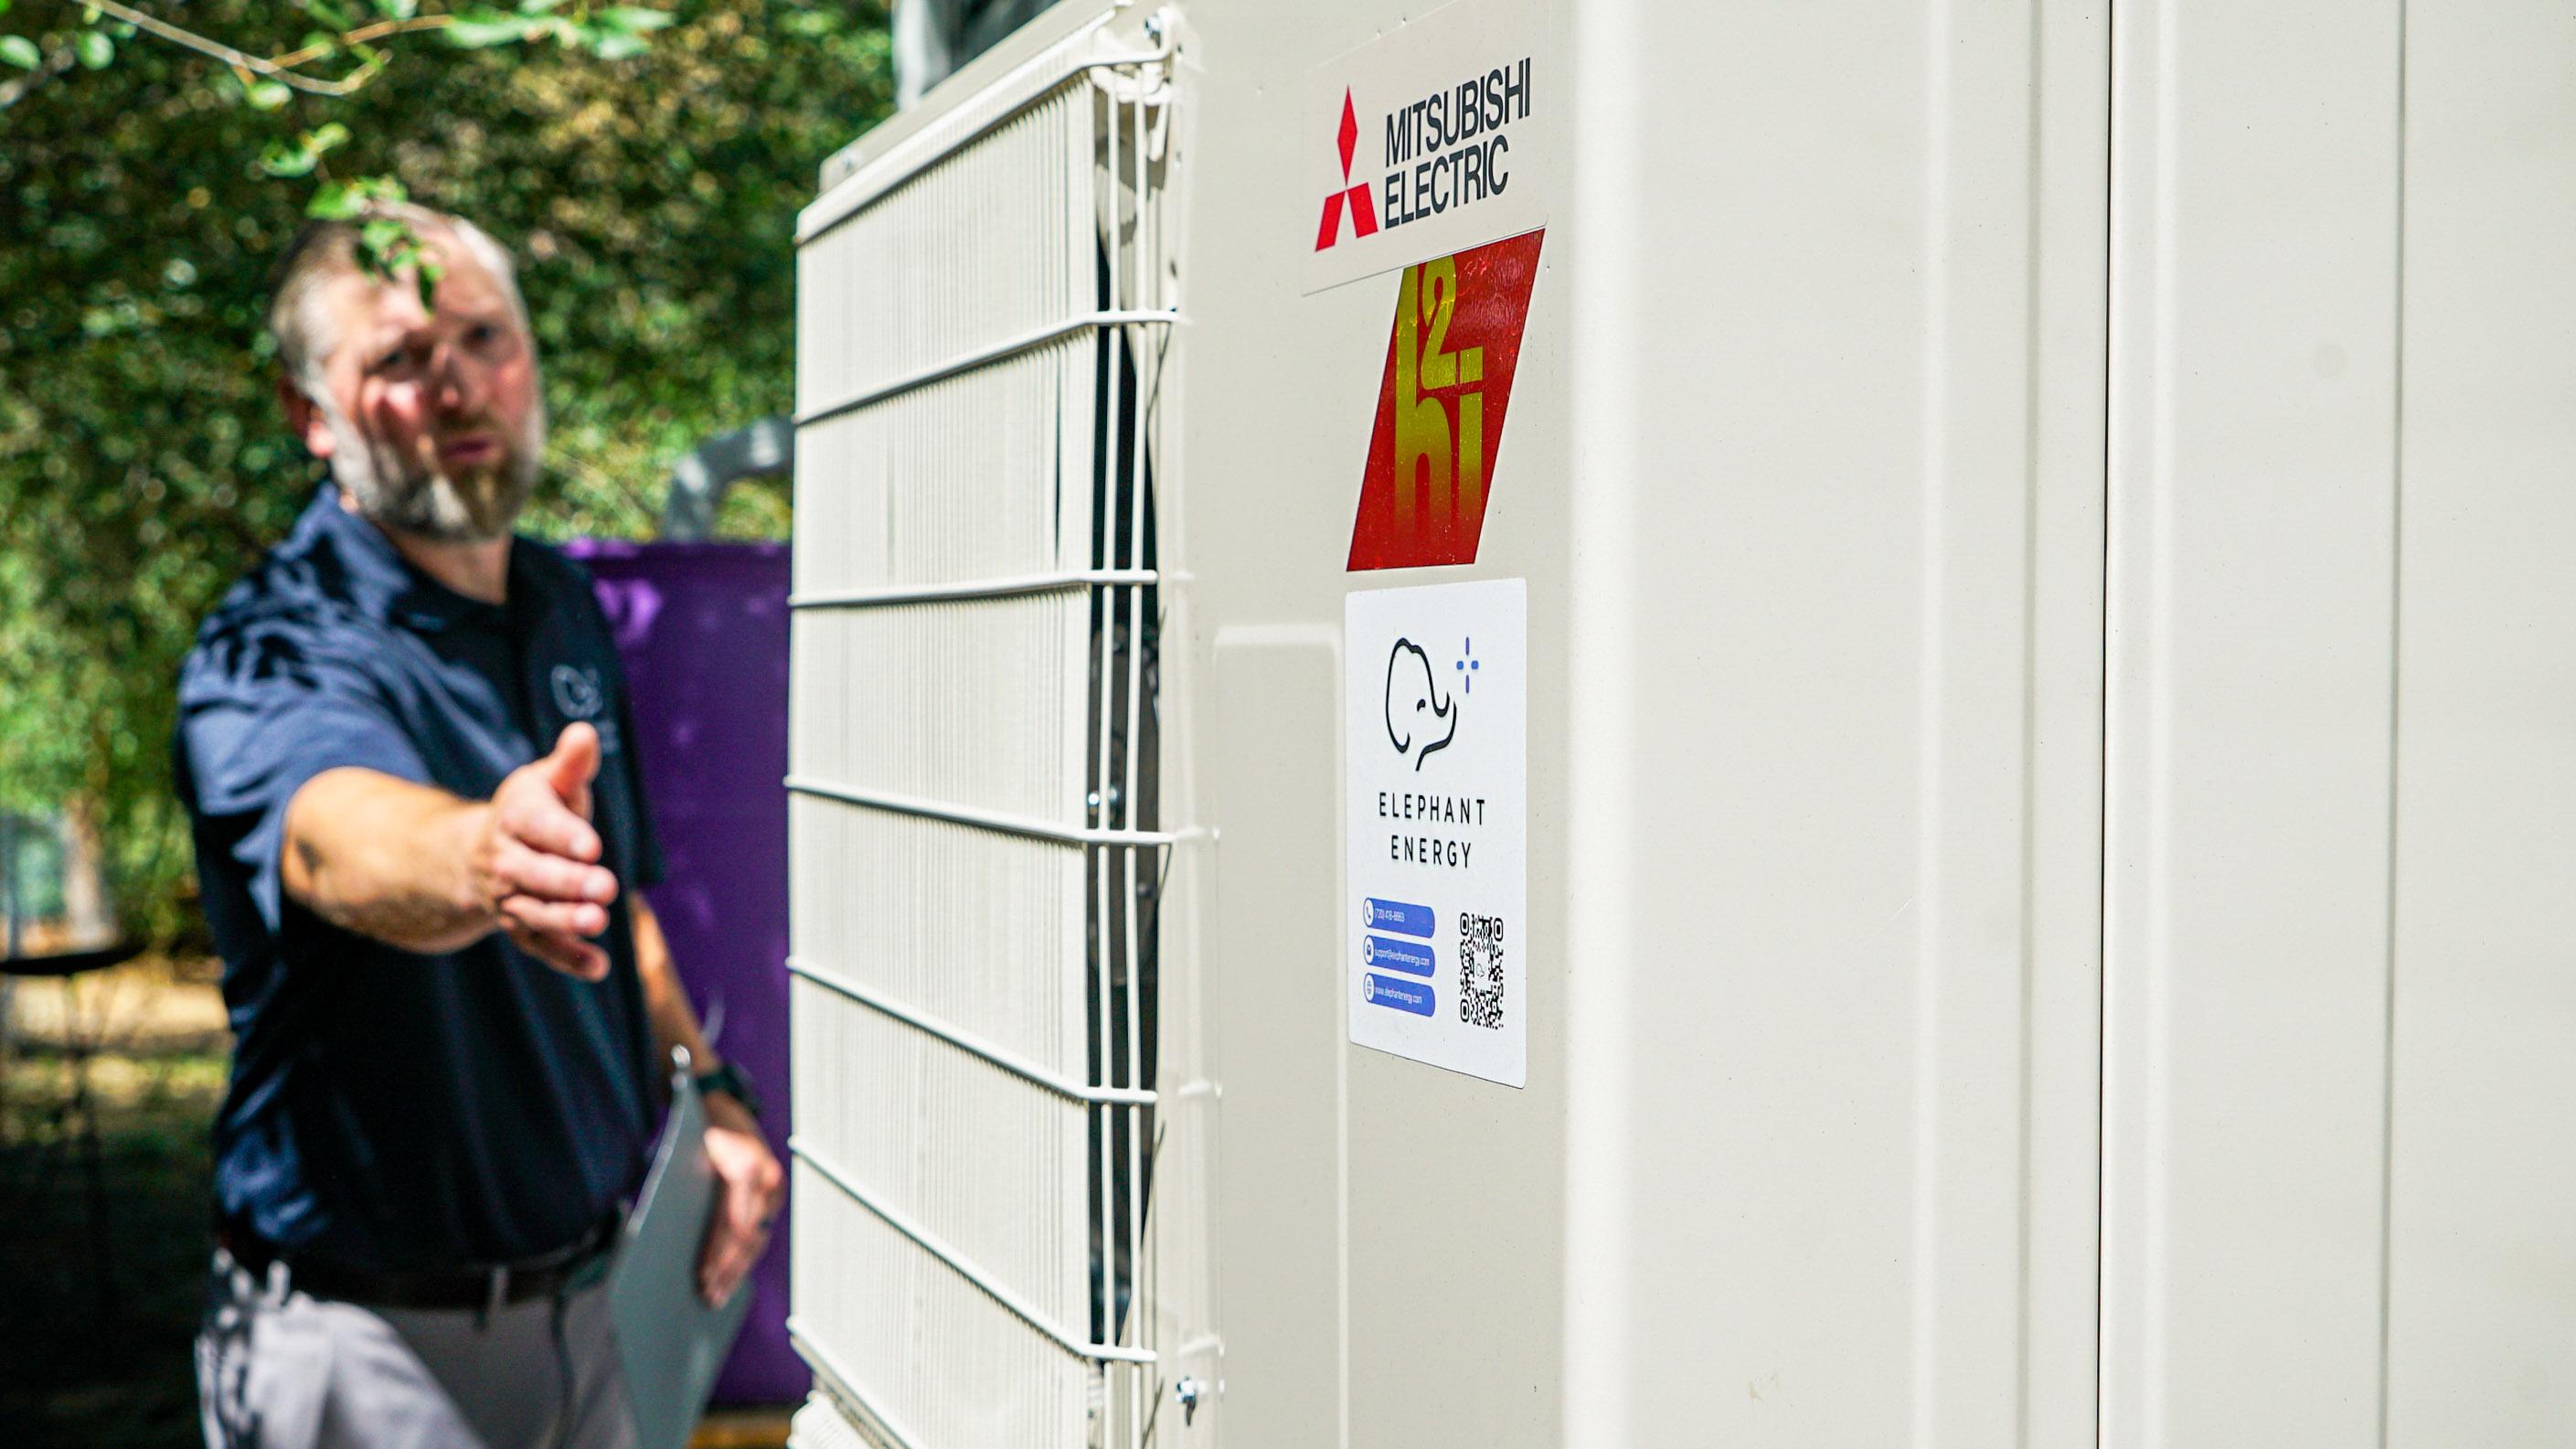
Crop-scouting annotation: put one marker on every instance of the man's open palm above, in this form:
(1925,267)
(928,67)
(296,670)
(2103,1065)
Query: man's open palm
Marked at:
(537,864)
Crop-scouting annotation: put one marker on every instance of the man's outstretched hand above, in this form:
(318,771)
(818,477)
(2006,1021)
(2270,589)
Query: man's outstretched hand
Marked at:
(536,859)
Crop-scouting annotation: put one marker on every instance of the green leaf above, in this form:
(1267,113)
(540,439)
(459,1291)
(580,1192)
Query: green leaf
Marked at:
(609,46)
(331,13)
(280,159)
(381,234)
(21,52)
(484,26)
(268,95)
(95,50)
(634,18)
(397,9)
(4,7)
(387,246)
(340,200)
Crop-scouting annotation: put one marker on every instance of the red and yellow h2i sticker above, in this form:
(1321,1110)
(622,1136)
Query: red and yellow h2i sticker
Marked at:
(1440,406)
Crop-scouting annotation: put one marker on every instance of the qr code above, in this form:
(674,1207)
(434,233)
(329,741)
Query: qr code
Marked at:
(1480,970)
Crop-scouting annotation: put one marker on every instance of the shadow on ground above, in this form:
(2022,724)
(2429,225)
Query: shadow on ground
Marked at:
(96,1329)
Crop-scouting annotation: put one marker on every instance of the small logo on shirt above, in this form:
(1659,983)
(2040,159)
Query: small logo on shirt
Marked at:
(577,692)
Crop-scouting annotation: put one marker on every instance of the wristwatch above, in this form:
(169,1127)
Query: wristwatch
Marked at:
(734,1082)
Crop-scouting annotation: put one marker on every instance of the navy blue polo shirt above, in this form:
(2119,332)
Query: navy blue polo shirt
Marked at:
(388,1109)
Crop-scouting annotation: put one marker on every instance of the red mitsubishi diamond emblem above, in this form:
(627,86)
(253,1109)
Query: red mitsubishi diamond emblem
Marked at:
(1350,135)
(1363,211)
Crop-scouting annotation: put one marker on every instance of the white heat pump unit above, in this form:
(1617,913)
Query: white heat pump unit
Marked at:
(1675,722)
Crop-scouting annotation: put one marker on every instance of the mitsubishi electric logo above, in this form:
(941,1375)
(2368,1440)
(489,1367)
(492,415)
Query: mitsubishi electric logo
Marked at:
(1450,150)
(1363,212)
(1428,141)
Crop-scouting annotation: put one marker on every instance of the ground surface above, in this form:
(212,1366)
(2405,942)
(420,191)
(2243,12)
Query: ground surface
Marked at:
(83,1368)
(80,1366)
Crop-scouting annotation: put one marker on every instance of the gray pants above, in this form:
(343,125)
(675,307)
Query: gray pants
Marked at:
(278,1368)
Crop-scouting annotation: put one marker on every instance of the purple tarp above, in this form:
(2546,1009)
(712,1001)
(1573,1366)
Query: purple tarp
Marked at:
(702,628)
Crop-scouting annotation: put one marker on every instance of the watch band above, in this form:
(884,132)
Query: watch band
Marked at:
(734,1082)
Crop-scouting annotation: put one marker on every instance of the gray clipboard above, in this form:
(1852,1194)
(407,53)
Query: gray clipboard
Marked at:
(669,1342)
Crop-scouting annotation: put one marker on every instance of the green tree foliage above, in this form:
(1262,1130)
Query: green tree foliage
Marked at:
(650,190)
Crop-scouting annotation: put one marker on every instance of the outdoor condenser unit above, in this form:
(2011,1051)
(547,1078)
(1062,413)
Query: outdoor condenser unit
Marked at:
(1673,722)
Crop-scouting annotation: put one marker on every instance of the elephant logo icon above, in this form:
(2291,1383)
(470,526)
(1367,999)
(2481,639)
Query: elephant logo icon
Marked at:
(1420,720)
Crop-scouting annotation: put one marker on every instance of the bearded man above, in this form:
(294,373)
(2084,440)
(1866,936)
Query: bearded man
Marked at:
(404,744)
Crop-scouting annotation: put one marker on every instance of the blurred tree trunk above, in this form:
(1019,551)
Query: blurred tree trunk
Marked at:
(89,914)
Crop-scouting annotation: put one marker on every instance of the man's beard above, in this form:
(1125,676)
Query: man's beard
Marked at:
(469,505)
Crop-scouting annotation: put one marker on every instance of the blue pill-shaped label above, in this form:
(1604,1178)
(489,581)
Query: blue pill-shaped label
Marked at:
(1396,955)
(1396,992)
(1397,916)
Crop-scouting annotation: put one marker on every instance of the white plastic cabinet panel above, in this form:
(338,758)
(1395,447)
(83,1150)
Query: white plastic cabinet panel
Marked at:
(1277,1039)
(2482,1261)
(1835,290)
(2252,588)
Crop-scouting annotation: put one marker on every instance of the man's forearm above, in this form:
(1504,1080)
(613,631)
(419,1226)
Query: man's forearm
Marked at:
(666,1005)
(421,869)
(387,858)
(674,1021)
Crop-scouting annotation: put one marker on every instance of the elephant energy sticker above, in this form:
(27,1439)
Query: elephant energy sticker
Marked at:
(1442,400)
(1435,825)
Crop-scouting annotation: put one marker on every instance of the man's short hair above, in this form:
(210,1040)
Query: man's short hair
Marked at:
(324,250)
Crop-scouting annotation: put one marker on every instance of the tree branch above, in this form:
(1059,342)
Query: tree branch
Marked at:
(280,69)
(361,36)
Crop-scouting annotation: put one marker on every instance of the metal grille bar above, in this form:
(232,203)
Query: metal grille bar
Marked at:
(855,195)
(835,1382)
(968,815)
(983,357)
(1003,1057)
(974,589)
(930,1243)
